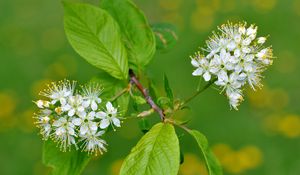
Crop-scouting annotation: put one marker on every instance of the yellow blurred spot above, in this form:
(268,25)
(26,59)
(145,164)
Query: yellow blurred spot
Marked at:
(251,156)
(170,4)
(174,18)
(26,121)
(202,19)
(275,99)
(38,86)
(289,126)
(296,7)
(52,39)
(116,167)
(270,124)
(213,5)
(39,169)
(228,5)
(239,161)
(62,68)
(56,70)
(264,6)
(192,166)
(8,105)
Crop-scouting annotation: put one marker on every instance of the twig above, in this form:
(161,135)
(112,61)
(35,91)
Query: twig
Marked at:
(199,91)
(134,80)
(123,91)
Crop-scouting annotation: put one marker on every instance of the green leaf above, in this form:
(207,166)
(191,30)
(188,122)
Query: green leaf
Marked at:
(136,32)
(156,153)
(166,36)
(168,90)
(152,90)
(96,37)
(64,163)
(144,125)
(138,99)
(111,87)
(213,165)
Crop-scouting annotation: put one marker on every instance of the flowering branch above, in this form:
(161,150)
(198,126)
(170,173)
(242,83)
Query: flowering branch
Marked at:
(134,80)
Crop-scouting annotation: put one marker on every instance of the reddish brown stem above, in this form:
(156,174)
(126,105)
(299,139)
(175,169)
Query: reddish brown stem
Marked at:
(134,80)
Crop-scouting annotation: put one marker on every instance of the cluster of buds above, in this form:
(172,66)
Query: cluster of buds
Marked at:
(78,118)
(234,57)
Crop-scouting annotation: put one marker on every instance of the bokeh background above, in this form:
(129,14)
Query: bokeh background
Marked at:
(262,138)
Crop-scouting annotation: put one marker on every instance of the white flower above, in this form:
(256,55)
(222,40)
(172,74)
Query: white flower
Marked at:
(72,118)
(92,143)
(234,57)
(86,123)
(74,106)
(64,133)
(220,62)
(235,98)
(42,103)
(59,91)
(91,95)
(203,67)
(261,40)
(228,82)
(108,117)
(43,122)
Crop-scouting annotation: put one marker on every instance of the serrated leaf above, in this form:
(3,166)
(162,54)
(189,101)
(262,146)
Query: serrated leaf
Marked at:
(95,36)
(64,163)
(156,153)
(168,89)
(136,32)
(212,164)
(166,36)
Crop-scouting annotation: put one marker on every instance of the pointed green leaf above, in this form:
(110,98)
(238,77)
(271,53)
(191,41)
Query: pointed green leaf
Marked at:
(168,89)
(213,165)
(166,36)
(139,100)
(136,32)
(144,125)
(96,37)
(156,153)
(64,163)
(152,90)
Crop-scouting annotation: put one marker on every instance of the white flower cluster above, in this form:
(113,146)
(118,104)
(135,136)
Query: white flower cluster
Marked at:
(235,56)
(71,117)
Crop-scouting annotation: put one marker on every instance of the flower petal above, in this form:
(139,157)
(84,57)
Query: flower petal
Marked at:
(116,122)
(76,121)
(104,123)
(109,106)
(206,76)
(94,106)
(198,72)
(83,129)
(101,115)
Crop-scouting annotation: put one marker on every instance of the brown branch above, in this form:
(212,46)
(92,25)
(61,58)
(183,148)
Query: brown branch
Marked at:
(134,80)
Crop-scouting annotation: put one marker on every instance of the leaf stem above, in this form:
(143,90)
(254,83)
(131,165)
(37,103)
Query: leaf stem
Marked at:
(120,93)
(199,91)
(134,80)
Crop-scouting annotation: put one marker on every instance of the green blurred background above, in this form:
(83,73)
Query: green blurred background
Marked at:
(262,138)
